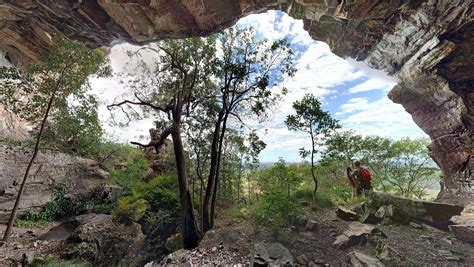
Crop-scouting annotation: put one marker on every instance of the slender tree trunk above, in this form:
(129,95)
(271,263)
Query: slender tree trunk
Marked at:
(211,178)
(28,168)
(250,191)
(219,156)
(314,204)
(193,188)
(189,231)
(201,198)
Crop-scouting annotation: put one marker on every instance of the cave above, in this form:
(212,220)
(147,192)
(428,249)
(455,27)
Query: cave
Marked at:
(427,45)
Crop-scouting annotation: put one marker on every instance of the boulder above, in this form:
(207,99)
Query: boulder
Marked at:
(174,242)
(271,254)
(345,214)
(356,234)
(366,213)
(359,259)
(220,237)
(99,239)
(463,232)
(302,259)
(405,209)
(180,257)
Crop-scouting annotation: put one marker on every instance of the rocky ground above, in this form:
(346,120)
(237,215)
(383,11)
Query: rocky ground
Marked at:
(320,238)
(316,238)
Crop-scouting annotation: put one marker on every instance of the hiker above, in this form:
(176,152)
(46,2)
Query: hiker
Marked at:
(360,178)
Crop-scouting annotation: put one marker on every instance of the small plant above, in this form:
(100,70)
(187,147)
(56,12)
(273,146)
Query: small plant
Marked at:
(52,262)
(130,209)
(135,171)
(60,207)
(274,211)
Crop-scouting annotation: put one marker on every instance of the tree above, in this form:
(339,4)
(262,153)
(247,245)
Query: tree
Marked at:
(402,167)
(280,178)
(346,147)
(247,69)
(311,119)
(170,88)
(75,127)
(409,170)
(62,73)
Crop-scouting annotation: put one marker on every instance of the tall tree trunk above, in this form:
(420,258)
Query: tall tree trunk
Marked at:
(219,156)
(314,204)
(28,168)
(189,231)
(201,199)
(211,178)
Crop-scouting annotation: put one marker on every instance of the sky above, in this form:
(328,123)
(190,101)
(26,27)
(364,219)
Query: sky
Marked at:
(352,92)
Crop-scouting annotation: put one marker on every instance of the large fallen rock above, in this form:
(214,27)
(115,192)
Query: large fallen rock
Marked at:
(356,234)
(346,214)
(463,227)
(463,232)
(433,213)
(99,239)
(271,254)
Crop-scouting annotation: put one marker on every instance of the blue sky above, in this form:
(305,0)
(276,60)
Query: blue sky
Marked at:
(353,93)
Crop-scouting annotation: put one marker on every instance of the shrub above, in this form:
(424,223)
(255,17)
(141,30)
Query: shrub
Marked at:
(60,207)
(274,210)
(323,200)
(52,262)
(135,171)
(303,194)
(130,209)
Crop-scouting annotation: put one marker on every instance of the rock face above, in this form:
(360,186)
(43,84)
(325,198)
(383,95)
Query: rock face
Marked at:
(98,239)
(428,45)
(49,171)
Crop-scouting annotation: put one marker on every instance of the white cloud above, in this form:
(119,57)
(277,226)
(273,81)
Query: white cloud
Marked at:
(381,117)
(318,72)
(371,84)
(354,104)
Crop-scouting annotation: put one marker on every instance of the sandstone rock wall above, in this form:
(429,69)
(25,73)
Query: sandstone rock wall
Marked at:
(429,45)
(50,170)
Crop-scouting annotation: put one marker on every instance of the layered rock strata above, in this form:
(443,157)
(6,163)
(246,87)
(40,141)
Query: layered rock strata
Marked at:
(48,172)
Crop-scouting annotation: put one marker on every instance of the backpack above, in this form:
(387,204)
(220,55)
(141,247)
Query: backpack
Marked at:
(366,174)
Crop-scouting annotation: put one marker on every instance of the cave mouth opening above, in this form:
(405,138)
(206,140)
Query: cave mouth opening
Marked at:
(351,91)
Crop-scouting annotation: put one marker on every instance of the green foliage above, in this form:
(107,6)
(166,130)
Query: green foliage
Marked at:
(60,207)
(64,72)
(311,119)
(303,194)
(403,167)
(274,210)
(152,203)
(132,174)
(279,178)
(75,127)
(53,262)
(130,209)
(62,77)
(30,224)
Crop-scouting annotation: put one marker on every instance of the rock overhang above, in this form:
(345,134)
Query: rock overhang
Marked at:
(428,45)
